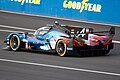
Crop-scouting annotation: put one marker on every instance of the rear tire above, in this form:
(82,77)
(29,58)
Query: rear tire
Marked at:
(61,48)
(14,43)
(107,50)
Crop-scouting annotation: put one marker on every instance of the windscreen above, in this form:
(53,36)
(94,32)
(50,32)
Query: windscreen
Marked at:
(42,31)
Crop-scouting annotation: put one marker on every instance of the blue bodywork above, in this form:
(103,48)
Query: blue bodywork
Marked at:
(41,41)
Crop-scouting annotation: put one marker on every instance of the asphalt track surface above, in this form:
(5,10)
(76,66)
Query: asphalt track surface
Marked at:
(23,71)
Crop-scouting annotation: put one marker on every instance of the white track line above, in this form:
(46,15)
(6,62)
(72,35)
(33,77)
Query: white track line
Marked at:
(28,30)
(61,67)
(116,42)
(12,27)
(10,31)
(35,15)
(14,31)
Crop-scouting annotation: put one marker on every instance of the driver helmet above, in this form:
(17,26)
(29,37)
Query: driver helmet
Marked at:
(56,22)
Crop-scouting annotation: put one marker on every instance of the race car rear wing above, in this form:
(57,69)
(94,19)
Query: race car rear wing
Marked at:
(111,31)
(78,30)
(81,31)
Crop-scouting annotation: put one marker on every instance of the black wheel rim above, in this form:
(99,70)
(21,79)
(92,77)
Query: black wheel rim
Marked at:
(14,42)
(61,48)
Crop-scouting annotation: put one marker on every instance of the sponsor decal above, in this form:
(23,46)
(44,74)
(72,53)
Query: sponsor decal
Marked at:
(81,6)
(37,2)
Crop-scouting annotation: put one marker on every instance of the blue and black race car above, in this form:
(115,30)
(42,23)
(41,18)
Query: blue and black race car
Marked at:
(64,39)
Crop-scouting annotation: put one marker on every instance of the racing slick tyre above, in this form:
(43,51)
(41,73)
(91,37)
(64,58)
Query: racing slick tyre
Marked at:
(61,48)
(14,43)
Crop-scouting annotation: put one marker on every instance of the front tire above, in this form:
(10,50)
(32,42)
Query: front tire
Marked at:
(61,48)
(14,43)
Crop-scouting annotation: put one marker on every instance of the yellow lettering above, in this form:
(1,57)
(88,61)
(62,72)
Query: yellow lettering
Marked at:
(94,7)
(31,1)
(98,8)
(69,4)
(86,6)
(78,6)
(36,1)
(26,1)
(19,0)
(65,4)
(90,7)
(83,5)
(23,1)
(74,5)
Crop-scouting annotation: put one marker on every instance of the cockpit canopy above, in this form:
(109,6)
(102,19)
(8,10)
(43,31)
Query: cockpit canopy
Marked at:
(42,31)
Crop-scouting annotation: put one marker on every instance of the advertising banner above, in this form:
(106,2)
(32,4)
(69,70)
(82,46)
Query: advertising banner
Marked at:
(104,11)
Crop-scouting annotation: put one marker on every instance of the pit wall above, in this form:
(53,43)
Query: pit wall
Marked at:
(105,11)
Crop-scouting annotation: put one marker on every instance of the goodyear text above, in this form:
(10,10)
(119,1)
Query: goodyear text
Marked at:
(84,5)
(27,1)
